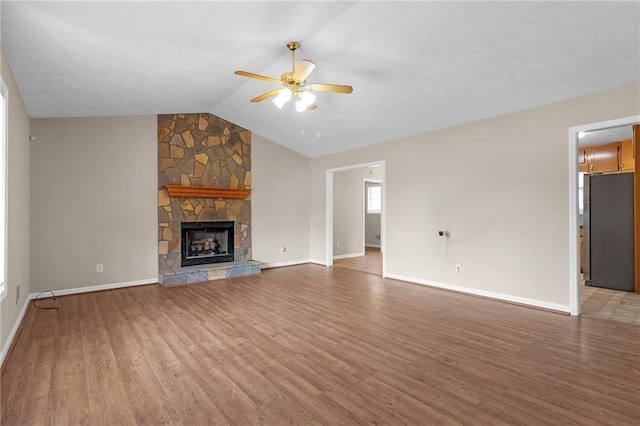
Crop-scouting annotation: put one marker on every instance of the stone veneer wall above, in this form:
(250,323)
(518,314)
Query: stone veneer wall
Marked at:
(201,150)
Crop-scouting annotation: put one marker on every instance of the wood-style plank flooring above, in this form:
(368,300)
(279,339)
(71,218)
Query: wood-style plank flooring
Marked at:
(315,345)
(370,263)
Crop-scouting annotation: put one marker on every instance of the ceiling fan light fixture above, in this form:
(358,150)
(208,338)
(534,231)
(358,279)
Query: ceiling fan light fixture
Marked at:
(283,97)
(307,98)
(300,105)
(295,84)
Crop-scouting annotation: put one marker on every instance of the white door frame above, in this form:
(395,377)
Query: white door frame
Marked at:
(329,210)
(364,211)
(574,237)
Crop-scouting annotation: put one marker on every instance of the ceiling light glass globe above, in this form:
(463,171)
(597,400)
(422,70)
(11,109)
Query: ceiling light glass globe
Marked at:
(308,98)
(283,97)
(300,106)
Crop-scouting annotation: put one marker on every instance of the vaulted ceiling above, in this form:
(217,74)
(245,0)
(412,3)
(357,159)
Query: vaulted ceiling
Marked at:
(414,66)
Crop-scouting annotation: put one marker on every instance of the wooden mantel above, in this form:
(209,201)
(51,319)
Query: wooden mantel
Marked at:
(205,192)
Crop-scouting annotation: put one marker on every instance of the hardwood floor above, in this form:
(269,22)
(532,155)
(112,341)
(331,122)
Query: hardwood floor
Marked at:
(315,345)
(370,263)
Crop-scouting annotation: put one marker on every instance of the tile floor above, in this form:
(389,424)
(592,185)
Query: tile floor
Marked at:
(614,305)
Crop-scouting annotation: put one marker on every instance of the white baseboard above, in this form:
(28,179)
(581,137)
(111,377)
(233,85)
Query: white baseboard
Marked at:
(100,287)
(285,263)
(489,294)
(14,330)
(346,256)
(318,262)
(372,245)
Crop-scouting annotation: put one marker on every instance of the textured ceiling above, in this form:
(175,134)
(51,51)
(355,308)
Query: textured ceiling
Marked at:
(414,66)
(612,134)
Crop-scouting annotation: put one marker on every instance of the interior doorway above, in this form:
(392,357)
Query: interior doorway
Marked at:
(355,203)
(604,155)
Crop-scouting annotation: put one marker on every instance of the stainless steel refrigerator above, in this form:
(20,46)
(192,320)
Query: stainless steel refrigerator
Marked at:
(608,231)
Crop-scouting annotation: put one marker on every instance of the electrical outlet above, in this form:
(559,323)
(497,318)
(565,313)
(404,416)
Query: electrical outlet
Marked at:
(99,267)
(283,249)
(337,245)
(17,293)
(458,268)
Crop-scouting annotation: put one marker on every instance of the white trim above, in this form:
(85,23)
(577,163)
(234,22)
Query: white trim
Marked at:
(347,256)
(372,245)
(489,294)
(4,169)
(14,331)
(286,263)
(383,220)
(328,255)
(329,210)
(318,262)
(574,238)
(100,287)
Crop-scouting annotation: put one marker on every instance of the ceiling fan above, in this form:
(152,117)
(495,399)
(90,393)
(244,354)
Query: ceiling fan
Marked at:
(295,84)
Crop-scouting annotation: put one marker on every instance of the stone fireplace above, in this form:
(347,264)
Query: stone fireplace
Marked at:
(204,176)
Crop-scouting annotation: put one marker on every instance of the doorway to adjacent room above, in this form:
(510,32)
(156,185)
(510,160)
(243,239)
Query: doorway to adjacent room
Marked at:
(355,217)
(604,237)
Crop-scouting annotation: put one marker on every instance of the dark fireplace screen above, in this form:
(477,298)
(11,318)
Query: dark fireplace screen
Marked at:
(207,242)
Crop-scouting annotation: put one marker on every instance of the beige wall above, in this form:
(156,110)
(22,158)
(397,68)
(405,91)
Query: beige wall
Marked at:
(279,203)
(93,201)
(500,186)
(347,213)
(18,206)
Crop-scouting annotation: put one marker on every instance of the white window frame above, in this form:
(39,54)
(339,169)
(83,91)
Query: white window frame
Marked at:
(369,188)
(4,138)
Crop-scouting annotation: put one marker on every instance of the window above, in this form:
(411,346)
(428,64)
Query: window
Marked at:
(3,187)
(374,199)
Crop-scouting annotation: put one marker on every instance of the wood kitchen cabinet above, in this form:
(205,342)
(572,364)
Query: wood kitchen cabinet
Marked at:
(604,158)
(608,158)
(626,156)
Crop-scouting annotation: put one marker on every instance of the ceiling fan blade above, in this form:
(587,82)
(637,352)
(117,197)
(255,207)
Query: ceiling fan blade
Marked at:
(334,88)
(265,96)
(258,76)
(303,70)
(312,106)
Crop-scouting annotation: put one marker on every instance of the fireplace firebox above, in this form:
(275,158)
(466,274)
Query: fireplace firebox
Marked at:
(207,242)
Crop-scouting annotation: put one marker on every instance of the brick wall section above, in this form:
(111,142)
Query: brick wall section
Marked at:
(201,150)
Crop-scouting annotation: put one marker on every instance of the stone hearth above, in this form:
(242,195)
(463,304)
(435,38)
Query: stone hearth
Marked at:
(214,271)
